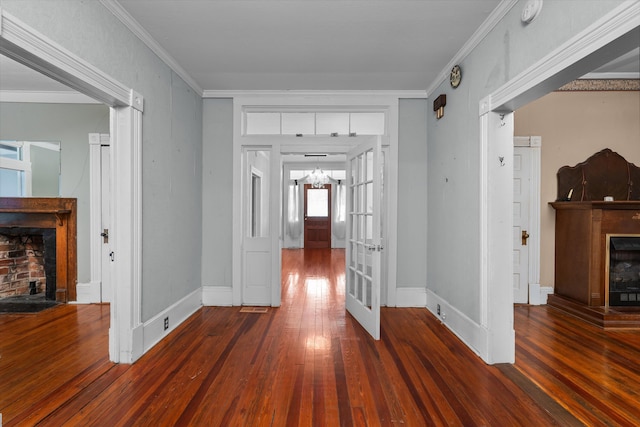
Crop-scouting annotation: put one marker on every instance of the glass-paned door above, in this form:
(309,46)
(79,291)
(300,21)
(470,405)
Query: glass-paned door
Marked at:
(364,176)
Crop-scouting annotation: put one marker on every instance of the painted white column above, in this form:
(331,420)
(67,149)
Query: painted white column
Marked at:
(496,223)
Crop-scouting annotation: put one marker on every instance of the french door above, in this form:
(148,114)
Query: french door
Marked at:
(364,244)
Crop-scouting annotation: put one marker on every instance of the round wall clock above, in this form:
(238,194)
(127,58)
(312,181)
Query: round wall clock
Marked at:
(455,77)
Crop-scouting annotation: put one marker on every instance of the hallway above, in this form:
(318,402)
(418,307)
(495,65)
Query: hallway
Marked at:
(308,363)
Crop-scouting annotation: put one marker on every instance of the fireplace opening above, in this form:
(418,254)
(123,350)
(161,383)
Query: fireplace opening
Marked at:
(27,262)
(624,270)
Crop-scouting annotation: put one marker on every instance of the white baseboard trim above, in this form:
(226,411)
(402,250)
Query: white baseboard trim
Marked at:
(538,293)
(217,296)
(153,329)
(545,291)
(88,293)
(471,333)
(415,296)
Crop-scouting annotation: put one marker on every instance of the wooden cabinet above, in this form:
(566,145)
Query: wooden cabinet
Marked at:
(581,245)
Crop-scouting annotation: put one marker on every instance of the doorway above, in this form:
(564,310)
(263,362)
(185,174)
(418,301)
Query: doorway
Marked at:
(29,47)
(317,216)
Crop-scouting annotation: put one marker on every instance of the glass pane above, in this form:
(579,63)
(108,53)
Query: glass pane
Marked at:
(45,172)
(263,123)
(11,183)
(369,166)
(352,282)
(367,123)
(297,174)
(258,193)
(10,152)
(369,229)
(317,202)
(367,297)
(369,206)
(328,123)
(354,170)
(339,174)
(295,123)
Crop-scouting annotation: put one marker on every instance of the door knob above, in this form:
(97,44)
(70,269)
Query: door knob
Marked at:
(524,236)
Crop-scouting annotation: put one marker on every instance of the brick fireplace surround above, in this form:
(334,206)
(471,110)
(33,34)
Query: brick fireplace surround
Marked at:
(48,213)
(21,262)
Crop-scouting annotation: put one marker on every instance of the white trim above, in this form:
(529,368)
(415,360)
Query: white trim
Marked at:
(129,21)
(589,48)
(27,46)
(46,97)
(414,296)
(611,76)
(88,293)
(534,210)
(96,141)
(290,144)
(547,73)
(485,28)
(217,296)
(153,329)
(325,93)
(534,143)
(473,335)
(126,218)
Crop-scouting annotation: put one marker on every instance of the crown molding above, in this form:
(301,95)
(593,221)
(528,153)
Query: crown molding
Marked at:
(46,97)
(489,24)
(314,93)
(134,26)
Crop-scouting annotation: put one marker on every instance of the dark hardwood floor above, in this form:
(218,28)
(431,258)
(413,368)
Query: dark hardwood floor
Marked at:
(309,363)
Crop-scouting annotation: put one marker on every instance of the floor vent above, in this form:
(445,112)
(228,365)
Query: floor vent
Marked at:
(254,310)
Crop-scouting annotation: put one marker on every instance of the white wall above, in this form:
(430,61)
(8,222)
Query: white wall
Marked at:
(171,146)
(70,124)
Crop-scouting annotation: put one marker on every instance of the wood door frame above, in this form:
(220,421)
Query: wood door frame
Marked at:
(305,218)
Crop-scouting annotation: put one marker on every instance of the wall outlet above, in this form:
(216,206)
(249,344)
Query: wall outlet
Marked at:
(166,323)
(438,309)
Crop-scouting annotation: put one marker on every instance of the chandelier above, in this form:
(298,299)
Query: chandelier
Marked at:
(318,178)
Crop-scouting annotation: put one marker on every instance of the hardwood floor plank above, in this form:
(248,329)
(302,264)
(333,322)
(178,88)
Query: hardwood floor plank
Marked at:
(308,363)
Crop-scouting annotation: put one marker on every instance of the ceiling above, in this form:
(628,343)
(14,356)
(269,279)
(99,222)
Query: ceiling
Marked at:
(304,44)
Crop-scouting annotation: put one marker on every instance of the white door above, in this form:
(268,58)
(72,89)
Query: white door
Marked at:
(364,176)
(105,194)
(521,178)
(256,242)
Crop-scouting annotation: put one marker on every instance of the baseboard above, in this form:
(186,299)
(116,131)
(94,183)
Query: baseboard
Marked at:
(217,296)
(88,293)
(545,291)
(153,329)
(469,332)
(538,294)
(415,296)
